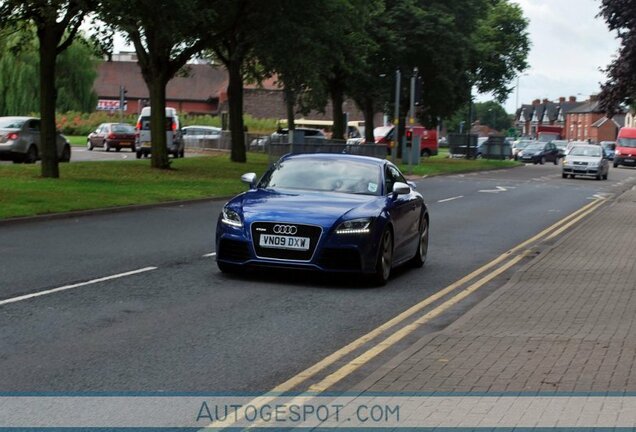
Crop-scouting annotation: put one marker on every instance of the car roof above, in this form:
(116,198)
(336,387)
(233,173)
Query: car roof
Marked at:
(20,118)
(338,156)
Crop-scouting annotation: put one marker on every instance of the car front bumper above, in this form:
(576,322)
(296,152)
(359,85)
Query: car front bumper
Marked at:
(582,171)
(622,160)
(331,253)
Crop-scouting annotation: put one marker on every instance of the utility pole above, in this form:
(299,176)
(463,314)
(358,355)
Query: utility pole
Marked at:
(396,118)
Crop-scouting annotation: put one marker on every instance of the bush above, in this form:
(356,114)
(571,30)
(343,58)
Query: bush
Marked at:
(81,124)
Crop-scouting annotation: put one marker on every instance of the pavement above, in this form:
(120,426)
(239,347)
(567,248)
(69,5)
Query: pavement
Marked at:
(565,322)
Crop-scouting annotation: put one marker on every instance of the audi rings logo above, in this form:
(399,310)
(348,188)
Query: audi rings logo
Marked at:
(285,229)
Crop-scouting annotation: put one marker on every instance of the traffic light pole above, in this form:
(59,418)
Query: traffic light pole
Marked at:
(396,118)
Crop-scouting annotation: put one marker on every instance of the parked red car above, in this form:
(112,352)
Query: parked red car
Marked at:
(112,136)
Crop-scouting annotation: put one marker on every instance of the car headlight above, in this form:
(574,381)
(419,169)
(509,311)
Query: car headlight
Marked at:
(355,226)
(231,218)
(566,162)
(593,164)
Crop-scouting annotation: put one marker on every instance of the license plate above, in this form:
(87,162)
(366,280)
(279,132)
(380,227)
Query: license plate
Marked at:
(125,143)
(146,145)
(629,160)
(284,242)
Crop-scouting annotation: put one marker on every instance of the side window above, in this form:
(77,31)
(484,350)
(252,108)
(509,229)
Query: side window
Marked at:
(34,125)
(392,176)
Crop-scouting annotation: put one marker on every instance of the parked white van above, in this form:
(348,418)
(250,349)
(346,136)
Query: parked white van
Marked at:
(174,139)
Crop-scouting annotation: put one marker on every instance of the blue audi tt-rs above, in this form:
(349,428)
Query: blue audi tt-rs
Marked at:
(327,212)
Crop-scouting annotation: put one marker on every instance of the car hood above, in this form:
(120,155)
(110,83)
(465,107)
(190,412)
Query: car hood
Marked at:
(586,159)
(314,208)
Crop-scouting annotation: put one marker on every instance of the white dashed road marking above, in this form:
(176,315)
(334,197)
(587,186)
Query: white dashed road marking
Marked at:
(77,285)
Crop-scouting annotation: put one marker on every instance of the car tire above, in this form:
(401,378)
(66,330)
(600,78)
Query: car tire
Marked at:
(542,160)
(598,177)
(138,154)
(32,155)
(89,145)
(132,149)
(564,176)
(182,154)
(556,160)
(106,146)
(227,268)
(66,154)
(425,153)
(117,149)
(385,259)
(419,259)
(605,176)
(615,165)
(571,176)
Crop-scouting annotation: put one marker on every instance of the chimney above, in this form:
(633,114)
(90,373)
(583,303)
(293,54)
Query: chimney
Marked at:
(594,98)
(572,98)
(561,100)
(536,102)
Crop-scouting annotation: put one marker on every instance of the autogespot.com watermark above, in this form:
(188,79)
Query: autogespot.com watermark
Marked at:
(574,411)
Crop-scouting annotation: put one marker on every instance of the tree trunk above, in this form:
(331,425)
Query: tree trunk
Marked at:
(48,97)
(337,99)
(235,100)
(290,98)
(157,87)
(369,118)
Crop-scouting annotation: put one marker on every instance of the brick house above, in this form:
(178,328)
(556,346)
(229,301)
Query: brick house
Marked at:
(543,113)
(589,122)
(202,89)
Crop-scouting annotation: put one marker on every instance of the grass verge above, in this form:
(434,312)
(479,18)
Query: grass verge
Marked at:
(76,141)
(91,185)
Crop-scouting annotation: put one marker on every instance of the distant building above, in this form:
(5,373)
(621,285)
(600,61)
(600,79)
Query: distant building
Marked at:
(201,89)
(589,122)
(543,113)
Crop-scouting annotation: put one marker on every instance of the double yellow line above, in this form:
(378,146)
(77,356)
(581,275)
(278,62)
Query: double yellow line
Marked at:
(491,270)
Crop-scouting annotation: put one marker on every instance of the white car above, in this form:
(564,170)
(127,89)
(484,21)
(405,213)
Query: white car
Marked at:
(586,160)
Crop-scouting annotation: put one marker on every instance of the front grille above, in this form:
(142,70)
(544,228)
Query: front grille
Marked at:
(341,259)
(299,231)
(580,163)
(233,250)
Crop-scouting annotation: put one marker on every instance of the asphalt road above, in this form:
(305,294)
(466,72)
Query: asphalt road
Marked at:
(82,154)
(181,325)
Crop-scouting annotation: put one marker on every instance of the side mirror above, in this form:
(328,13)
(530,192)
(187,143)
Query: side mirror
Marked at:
(400,188)
(250,179)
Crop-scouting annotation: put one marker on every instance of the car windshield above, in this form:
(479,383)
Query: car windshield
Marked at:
(324,175)
(534,148)
(11,123)
(627,142)
(524,144)
(123,128)
(586,151)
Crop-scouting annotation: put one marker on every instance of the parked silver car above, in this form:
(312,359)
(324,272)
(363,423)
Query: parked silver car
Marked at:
(20,141)
(586,160)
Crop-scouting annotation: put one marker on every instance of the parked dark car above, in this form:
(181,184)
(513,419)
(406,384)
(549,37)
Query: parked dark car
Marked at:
(112,136)
(20,141)
(540,153)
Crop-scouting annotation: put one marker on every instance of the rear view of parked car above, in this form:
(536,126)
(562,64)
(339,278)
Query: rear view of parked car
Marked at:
(112,136)
(20,141)
(174,140)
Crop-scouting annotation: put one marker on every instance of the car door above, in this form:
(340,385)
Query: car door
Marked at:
(404,215)
(33,128)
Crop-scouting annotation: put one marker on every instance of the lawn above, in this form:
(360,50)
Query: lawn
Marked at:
(76,141)
(90,185)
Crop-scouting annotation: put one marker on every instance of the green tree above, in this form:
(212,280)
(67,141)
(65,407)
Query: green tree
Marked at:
(19,75)
(165,37)
(491,114)
(57,23)
(620,87)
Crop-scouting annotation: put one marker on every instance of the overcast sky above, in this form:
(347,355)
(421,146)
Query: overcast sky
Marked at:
(569,46)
